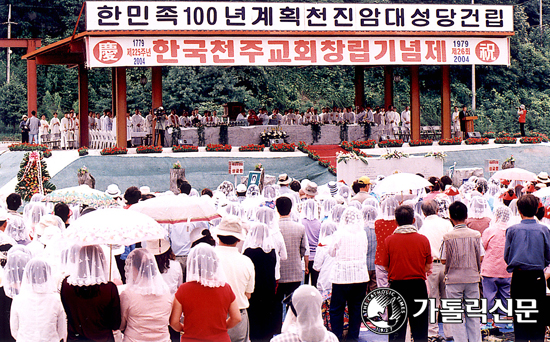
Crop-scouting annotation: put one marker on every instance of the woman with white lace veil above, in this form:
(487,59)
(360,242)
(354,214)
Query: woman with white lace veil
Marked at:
(303,322)
(495,279)
(326,208)
(268,217)
(37,313)
(146,301)
(17,229)
(350,274)
(90,300)
(260,248)
(206,300)
(14,270)
(310,220)
(479,214)
(384,226)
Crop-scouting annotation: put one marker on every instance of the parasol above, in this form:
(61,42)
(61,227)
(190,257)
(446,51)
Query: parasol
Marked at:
(515,173)
(81,194)
(401,182)
(113,226)
(174,209)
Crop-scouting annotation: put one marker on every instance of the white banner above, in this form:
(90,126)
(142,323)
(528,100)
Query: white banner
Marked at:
(155,51)
(254,16)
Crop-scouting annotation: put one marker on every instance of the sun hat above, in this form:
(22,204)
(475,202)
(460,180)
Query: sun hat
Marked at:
(196,233)
(284,179)
(241,188)
(543,177)
(231,225)
(310,189)
(145,190)
(113,190)
(157,246)
(364,180)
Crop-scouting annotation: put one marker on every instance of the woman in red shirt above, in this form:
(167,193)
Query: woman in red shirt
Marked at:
(205,300)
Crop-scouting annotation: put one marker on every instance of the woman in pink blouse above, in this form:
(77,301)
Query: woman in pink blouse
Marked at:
(495,279)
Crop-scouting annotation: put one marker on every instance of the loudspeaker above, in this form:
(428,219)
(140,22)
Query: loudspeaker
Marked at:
(474,135)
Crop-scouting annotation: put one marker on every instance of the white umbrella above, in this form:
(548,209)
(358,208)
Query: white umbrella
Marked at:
(174,209)
(81,194)
(401,182)
(113,226)
(515,173)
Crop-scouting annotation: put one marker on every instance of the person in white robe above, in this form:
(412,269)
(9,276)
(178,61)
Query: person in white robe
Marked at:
(64,128)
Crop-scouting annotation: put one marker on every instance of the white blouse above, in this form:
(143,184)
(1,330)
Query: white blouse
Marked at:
(38,318)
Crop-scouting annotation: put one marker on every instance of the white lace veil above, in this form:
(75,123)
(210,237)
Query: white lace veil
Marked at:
(345,192)
(352,220)
(235,209)
(90,267)
(32,213)
(310,210)
(38,278)
(387,208)
(502,216)
(142,274)
(17,229)
(269,192)
(267,216)
(308,321)
(479,208)
(259,236)
(336,213)
(203,266)
(370,214)
(327,229)
(14,270)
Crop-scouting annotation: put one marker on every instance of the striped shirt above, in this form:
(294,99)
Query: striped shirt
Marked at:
(462,249)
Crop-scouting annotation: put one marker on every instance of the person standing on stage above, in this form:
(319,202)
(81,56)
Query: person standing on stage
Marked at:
(522,114)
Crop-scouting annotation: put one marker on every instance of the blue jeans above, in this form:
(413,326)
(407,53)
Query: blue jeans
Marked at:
(33,138)
(494,288)
(469,331)
(353,295)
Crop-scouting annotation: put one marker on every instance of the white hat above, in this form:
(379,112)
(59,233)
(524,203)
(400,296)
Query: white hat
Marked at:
(145,190)
(241,188)
(196,234)
(310,189)
(157,246)
(284,179)
(231,225)
(113,190)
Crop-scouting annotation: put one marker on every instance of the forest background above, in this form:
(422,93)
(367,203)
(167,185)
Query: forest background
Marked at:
(500,89)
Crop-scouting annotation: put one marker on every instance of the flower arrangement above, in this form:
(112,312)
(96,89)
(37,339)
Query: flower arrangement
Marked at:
(509,163)
(390,143)
(313,155)
(149,149)
(218,148)
(346,145)
(273,133)
(476,141)
(345,157)
(453,141)
(540,135)
(371,143)
(282,147)
(503,134)
(27,147)
(315,130)
(421,142)
(332,170)
(489,134)
(251,148)
(33,176)
(505,140)
(302,146)
(324,162)
(394,155)
(360,153)
(83,151)
(176,165)
(185,148)
(82,171)
(530,140)
(439,155)
(47,153)
(113,150)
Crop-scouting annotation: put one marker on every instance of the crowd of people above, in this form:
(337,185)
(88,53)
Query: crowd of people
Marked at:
(312,252)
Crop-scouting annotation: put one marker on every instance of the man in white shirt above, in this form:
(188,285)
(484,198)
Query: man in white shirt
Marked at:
(264,116)
(239,271)
(406,118)
(434,227)
(349,116)
(242,116)
(138,125)
(64,127)
(275,115)
(392,117)
(55,124)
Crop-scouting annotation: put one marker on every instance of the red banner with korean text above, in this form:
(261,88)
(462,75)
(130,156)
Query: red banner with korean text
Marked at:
(276,51)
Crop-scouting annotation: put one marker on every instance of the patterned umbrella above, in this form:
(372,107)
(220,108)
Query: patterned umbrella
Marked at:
(113,226)
(174,209)
(81,194)
(515,173)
